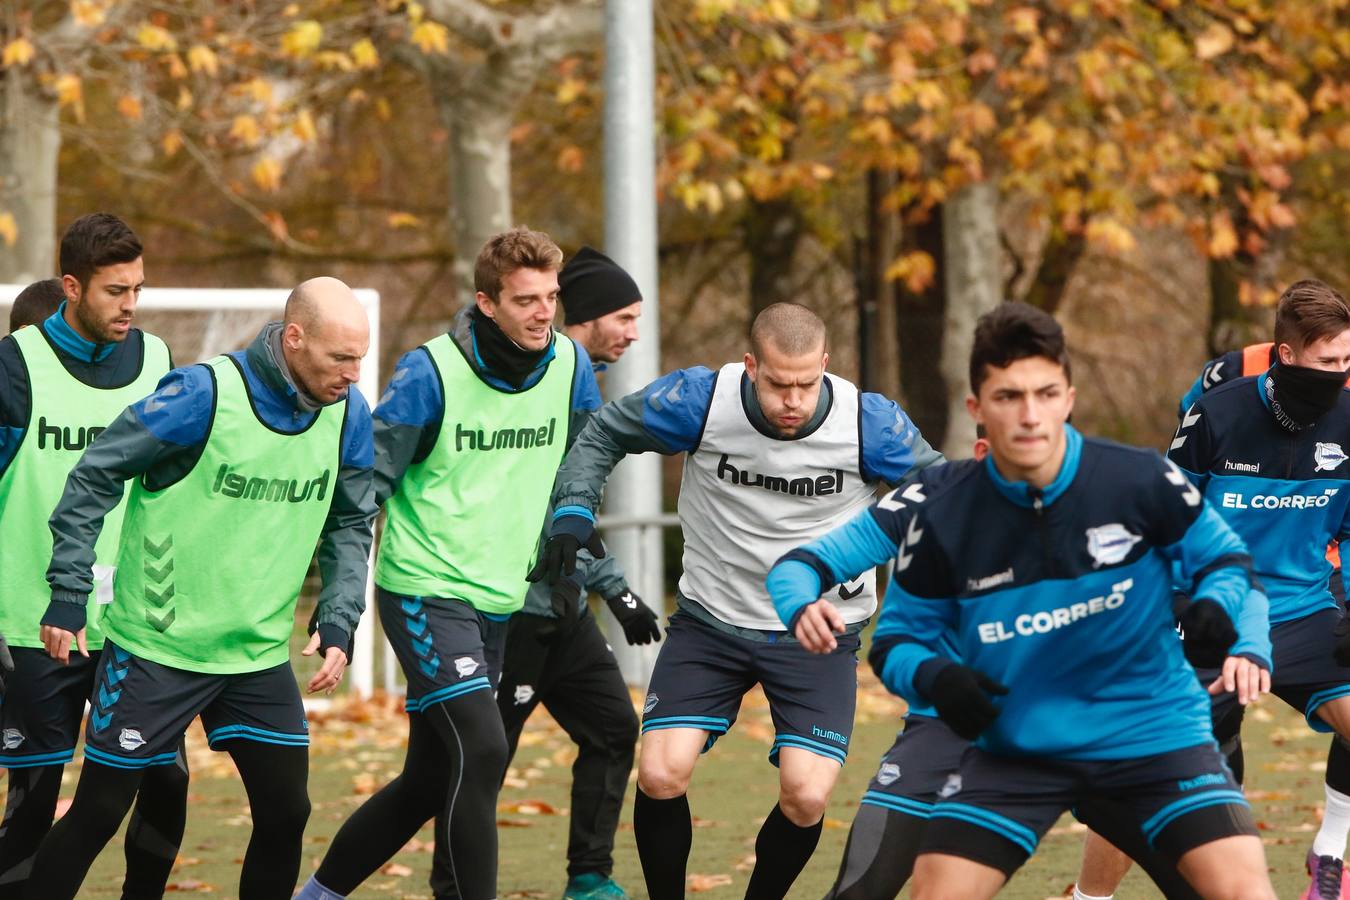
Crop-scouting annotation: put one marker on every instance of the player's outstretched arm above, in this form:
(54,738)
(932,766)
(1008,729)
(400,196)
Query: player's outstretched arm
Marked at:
(667,417)
(1211,565)
(1246,671)
(800,576)
(892,447)
(344,548)
(163,432)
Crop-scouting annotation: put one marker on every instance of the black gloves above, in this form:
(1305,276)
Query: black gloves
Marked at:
(567,535)
(6,664)
(1207,632)
(637,618)
(564,599)
(960,695)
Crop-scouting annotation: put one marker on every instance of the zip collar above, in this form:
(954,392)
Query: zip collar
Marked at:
(69,340)
(1023,494)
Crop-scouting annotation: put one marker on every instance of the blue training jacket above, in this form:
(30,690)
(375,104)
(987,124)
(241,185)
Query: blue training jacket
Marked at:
(1284,492)
(1064,595)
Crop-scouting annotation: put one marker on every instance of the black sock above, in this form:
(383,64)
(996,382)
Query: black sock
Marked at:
(781,852)
(1338,765)
(102,799)
(156,829)
(664,832)
(879,856)
(276,779)
(456,754)
(30,806)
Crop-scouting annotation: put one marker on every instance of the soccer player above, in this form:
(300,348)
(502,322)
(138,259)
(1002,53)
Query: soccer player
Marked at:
(62,381)
(468,438)
(1047,569)
(36,303)
(1267,452)
(557,656)
(238,466)
(776,452)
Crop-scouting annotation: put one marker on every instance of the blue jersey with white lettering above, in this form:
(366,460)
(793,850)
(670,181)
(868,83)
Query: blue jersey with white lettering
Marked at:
(1064,595)
(1285,492)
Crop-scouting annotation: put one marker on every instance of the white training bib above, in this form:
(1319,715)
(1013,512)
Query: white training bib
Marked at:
(747,498)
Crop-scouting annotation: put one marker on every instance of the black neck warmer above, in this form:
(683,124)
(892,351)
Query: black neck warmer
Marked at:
(503,357)
(1299,396)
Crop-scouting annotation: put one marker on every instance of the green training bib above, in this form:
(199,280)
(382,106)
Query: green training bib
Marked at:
(66,416)
(465,521)
(210,567)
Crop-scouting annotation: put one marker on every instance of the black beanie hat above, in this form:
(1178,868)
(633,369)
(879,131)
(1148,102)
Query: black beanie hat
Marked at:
(592,285)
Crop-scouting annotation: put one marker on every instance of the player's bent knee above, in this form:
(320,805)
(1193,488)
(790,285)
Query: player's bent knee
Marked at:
(661,781)
(804,803)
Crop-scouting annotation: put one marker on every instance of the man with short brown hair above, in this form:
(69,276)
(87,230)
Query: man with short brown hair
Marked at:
(468,438)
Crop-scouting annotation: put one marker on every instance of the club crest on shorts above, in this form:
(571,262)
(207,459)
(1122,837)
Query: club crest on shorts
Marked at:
(524,693)
(130,739)
(888,774)
(12,738)
(466,666)
(1110,544)
(952,787)
(1327,456)
(650,705)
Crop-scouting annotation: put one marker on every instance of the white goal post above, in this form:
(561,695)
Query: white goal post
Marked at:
(215,340)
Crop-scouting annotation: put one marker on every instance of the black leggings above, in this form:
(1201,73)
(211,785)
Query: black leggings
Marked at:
(274,778)
(456,757)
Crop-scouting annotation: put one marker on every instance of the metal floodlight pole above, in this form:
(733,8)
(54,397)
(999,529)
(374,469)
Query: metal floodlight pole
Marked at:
(630,239)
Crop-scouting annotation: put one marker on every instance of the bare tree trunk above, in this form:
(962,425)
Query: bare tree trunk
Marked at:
(480,177)
(879,342)
(1058,260)
(919,332)
(30,141)
(974,286)
(772,231)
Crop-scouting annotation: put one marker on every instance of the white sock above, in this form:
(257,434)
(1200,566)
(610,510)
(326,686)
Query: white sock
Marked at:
(1079,895)
(315,891)
(1330,840)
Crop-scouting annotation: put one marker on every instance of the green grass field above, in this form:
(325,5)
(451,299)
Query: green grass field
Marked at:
(358,746)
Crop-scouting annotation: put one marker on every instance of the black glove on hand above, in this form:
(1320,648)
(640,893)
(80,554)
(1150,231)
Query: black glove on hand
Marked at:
(567,535)
(6,664)
(637,618)
(564,599)
(1342,633)
(960,695)
(1207,632)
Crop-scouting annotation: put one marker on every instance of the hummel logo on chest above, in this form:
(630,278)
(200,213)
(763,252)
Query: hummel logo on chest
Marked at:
(1231,466)
(989,581)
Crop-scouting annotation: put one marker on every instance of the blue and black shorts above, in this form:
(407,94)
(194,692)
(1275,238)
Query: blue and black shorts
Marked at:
(1305,676)
(446,647)
(920,767)
(1002,805)
(140,709)
(43,706)
(702,673)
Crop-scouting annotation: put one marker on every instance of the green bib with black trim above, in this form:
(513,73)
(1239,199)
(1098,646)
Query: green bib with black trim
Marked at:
(465,521)
(66,416)
(211,566)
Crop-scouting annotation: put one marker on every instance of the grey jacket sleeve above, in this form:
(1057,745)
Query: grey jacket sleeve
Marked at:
(604,577)
(612,433)
(397,446)
(344,553)
(94,487)
(925,455)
